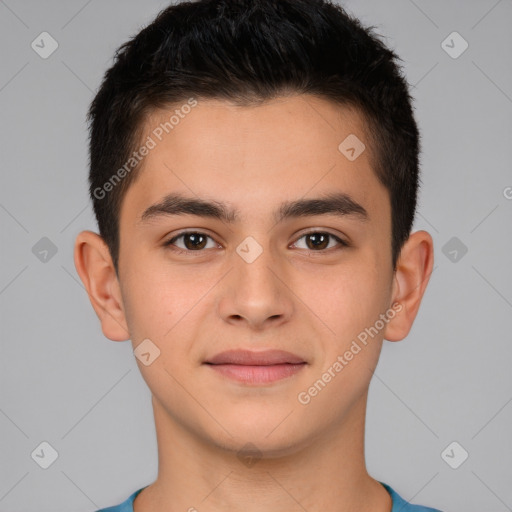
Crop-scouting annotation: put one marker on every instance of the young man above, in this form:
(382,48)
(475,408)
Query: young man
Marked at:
(254,171)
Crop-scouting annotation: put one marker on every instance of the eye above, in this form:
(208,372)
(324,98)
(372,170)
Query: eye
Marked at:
(195,241)
(192,241)
(320,240)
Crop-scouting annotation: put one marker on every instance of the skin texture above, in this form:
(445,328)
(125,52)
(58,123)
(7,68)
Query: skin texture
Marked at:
(309,301)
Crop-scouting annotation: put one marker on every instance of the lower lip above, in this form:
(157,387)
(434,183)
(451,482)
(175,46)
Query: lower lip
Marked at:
(257,374)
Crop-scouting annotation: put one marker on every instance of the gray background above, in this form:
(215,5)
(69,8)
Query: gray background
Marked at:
(63,382)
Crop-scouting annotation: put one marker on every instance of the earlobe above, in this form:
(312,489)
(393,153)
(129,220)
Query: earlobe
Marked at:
(96,270)
(412,274)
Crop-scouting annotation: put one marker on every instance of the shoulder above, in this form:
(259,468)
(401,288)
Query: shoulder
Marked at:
(125,506)
(399,504)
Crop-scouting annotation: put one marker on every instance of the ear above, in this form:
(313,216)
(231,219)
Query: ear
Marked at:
(412,274)
(96,270)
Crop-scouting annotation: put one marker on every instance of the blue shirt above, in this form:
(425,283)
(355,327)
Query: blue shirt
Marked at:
(399,504)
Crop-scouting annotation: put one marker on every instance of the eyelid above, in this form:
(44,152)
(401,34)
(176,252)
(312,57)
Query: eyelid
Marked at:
(170,242)
(339,239)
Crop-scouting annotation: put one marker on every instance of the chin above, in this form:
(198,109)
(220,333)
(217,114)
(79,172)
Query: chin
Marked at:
(247,448)
(271,436)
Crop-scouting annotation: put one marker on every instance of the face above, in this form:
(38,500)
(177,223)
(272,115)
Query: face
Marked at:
(292,254)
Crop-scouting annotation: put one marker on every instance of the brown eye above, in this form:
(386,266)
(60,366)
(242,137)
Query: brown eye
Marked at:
(192,241)
(317,241)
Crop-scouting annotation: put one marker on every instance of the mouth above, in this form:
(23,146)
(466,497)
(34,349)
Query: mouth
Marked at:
(254,368)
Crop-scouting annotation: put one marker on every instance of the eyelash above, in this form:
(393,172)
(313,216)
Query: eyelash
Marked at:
(170,243)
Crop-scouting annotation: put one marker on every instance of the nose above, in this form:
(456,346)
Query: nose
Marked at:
(256,293)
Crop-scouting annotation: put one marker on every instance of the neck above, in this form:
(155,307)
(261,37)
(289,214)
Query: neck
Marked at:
(327,473)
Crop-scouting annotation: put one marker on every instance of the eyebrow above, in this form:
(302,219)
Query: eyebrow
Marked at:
(339,204)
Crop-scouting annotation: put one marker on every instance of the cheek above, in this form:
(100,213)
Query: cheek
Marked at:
(152,301)
(349,298)
(163,301)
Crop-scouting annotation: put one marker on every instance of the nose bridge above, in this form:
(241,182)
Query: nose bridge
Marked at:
(257,274)
(256,291)
(255,271)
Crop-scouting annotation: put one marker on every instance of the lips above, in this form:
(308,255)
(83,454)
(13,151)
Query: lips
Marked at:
(251,358)
(256,368)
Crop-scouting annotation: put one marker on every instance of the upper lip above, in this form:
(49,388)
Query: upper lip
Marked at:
(252,358)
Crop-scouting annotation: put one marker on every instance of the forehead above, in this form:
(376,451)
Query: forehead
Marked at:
(222,123)
(252,156)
